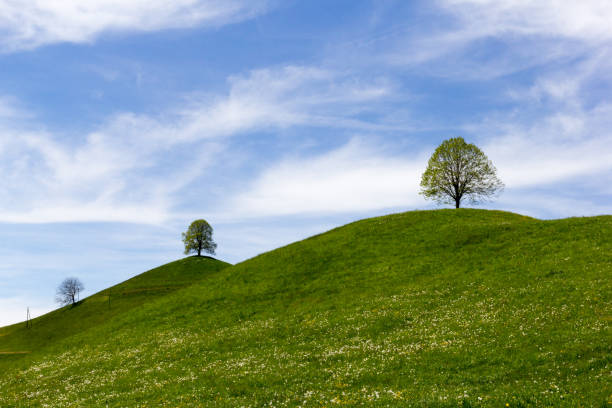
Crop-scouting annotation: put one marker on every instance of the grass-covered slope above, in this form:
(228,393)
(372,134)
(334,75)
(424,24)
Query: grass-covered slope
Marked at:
(433,308)
(17,341)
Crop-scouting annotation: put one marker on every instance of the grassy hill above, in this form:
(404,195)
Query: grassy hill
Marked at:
(17,341)
(430,308)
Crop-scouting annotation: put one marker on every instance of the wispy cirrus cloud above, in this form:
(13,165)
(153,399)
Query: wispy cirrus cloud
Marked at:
(587,20)
(487,39)
(291,96)
(27,25)
(357,177)
(132,168)
(561,147)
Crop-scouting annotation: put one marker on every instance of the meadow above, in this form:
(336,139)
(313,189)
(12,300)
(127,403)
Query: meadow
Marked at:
(438,308)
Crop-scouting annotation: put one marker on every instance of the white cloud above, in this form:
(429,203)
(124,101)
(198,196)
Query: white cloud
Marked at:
(289,96)
(117,173)
(123,170)
(559,147)
(587,20)
(486,39)
(569,86)
(30,24)
(354,178)
(560,130)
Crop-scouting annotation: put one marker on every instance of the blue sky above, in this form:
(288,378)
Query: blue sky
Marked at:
(122,121)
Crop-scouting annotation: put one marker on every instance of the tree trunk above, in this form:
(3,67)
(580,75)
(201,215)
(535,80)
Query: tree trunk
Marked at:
(457,202)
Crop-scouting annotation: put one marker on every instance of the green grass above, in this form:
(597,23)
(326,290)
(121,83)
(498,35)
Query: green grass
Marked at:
(17,340)
(429,308)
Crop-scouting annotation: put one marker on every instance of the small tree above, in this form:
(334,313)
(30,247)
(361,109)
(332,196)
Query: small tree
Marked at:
(457,170)
(198,238)
(68,291)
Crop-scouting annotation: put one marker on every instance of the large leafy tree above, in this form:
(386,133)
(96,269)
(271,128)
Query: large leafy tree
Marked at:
(459,170)
(198,238)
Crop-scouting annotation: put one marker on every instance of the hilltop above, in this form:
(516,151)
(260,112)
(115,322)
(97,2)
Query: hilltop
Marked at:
(425,308)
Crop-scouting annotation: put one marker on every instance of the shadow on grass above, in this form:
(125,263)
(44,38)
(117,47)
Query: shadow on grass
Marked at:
(75,304)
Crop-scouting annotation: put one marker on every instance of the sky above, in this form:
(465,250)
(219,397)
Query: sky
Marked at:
(121,121)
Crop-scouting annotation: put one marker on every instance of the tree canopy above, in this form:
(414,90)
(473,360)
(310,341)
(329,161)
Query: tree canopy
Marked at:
(198,238)
(459,170)
(68,291)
